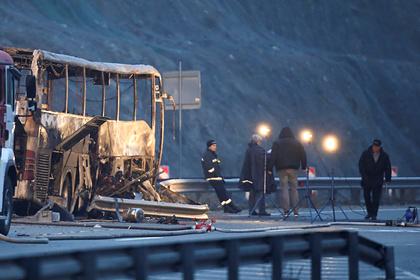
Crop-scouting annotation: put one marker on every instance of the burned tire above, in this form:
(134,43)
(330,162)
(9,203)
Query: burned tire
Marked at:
(67,192)
(7,206)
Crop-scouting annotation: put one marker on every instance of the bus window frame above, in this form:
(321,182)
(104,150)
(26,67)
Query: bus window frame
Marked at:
(9,74)
(2,84)
(151,78)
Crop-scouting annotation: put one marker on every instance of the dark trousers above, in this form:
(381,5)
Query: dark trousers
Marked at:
(253,198)
(219,187)
(372,194)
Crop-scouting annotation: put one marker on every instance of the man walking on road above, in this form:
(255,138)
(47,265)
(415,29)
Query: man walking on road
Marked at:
(213,174)
(374,164)
(288,155)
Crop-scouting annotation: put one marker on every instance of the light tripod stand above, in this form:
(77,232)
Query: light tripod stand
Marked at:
(332,201)
(309,202)
(306,137)
(261,199)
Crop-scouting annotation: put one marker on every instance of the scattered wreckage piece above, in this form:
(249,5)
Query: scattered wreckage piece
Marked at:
(151,208)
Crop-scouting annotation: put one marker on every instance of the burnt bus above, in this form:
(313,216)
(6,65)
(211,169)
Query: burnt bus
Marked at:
(92,138)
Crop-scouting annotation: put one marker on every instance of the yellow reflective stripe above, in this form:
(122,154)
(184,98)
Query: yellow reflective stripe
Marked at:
(211,170)
(215,179)
(247,181)
(226,202)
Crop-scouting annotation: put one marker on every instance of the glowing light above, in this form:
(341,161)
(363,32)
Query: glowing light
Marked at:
(330,143)
(263,130)
(306,136)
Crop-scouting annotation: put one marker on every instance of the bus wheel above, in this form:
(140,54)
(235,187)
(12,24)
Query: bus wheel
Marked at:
(7,206)
(67,192)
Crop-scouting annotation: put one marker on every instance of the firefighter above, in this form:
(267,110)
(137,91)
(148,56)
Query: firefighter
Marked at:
(212,173)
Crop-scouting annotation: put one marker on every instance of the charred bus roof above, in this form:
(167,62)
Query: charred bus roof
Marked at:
(30,59)
(40,56)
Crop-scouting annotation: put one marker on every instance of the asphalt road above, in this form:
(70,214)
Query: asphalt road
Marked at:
(406,240)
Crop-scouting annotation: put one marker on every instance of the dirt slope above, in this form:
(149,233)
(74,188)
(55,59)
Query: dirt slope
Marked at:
(351,68)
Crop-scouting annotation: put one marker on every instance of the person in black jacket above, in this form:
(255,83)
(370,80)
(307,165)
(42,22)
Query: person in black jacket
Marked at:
(252,176)
(374,164)
(213,174)
(287,156)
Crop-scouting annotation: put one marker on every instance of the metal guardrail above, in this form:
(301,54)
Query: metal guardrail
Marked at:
(152,208)
(319,183)
(141,260)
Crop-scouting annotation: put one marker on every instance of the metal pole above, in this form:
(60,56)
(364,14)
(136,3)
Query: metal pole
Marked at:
(265,178)
(277,248)
(32,267)
(84,91)
(135,97)
(233,259)
(88,262)
(353,255)
(103,94)
(332,193)
(117,111)
(389,263)
(265,172)
(180,117)
(141,267)
(308,194)
(316,255)
(66,104)
(187,261)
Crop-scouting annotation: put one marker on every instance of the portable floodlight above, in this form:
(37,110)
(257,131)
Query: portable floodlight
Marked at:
(263,130)
(306,136)
(330,143)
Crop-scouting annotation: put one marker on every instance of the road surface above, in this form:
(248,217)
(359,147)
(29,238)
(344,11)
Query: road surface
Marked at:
(406,242)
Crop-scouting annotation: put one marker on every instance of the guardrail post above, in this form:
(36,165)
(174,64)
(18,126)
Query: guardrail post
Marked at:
(187,261)
(353,255)
(140,262)
(233,259)
(88,265)
(316,255)
(277,258)
(32,268)
(389,263)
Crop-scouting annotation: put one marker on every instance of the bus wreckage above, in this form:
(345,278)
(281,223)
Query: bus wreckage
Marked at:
(89,136)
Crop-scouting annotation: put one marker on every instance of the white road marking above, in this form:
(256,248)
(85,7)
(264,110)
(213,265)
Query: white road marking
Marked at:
(408,274)
(135,239)
(385,230)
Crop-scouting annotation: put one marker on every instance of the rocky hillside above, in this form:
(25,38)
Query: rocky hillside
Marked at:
(346,67)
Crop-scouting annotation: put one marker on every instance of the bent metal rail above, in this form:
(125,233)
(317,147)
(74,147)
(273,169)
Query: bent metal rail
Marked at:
(319,183)
(141,260)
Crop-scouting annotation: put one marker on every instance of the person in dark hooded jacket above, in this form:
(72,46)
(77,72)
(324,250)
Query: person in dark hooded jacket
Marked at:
(252,176)
(374,165)
(287,156)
